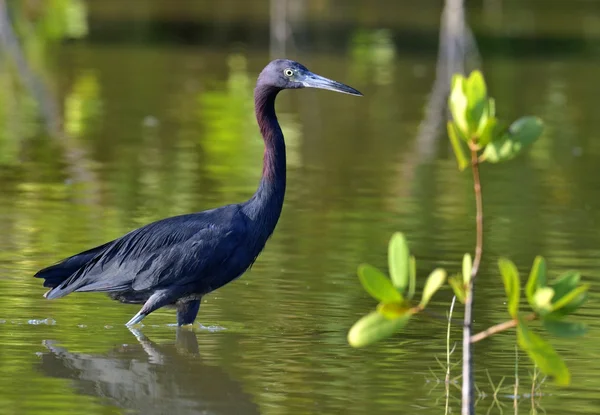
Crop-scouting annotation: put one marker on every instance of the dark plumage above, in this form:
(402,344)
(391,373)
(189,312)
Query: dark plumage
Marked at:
(175,261)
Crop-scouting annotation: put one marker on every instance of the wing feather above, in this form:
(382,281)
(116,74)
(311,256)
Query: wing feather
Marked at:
(176,251)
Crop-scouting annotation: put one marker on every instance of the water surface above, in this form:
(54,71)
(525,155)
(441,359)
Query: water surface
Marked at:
(157,100)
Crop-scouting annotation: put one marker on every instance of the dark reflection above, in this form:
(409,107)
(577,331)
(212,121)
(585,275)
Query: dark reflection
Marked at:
(150,378)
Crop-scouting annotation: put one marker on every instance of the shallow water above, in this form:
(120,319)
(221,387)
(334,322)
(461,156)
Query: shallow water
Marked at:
(158,104)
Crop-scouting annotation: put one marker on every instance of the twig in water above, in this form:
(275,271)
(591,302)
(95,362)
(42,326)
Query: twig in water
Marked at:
(468,407)
(516,391)
(448,352)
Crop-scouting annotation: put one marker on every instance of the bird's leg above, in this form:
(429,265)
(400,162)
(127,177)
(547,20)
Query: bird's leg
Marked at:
(187,312)
(136,319)
(157,300)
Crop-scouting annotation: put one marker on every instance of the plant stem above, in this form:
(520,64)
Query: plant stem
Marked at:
(448,339)
(448,356)
(478,217)
(468,406)
(493,330)
(535,373)
(516,391)
(499,327)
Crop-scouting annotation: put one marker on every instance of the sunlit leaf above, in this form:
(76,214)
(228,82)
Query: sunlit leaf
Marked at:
(562,328)
(520,134)
(458,287)
(467,268)
(537,278)
(434,282)
(412,277)
(479,128)
(457,146)
(457,77)
(475,88)
(374,327)
(458,104)
(392,310)
(512,285)
(542,353)
(542,300)
(569,297)
(398,258)
(487,130)
(378,285)
(476,93)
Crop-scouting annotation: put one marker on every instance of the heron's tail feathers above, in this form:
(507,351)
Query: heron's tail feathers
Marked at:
(56,275)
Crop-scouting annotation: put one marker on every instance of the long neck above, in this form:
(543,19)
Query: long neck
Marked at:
(265,206)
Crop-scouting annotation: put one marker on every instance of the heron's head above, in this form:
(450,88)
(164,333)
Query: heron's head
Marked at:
(287,74)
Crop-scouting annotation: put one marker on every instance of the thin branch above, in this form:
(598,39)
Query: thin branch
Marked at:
(535,372)
(516,390)
(499,327)
(467,385)
(479,214)
(493,330)
(448,352)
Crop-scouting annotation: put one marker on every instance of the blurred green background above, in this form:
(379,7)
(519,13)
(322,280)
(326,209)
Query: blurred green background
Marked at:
(115,113)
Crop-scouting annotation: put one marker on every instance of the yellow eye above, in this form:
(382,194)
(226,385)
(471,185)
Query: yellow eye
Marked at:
(288,72)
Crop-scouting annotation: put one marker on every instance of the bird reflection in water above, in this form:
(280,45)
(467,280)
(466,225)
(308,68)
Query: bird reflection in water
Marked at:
(150,378)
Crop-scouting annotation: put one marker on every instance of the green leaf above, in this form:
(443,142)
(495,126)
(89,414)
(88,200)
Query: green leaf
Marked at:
(476,93)
(526,129)
(475,87)
(393,310)
(512,285)
(542,353)
(537,278)
(565,283)
(457,146)
(569,297)
(398,261)
(378,285)
(458,104)
(434,282)
(542,300)
(564,328)
(467,268)
(520,134)
(487,130)
(412,277)
(569,308)
(458,287)
(374,327)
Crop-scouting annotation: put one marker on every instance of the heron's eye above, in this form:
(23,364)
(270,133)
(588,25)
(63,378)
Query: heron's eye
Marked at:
(288,72)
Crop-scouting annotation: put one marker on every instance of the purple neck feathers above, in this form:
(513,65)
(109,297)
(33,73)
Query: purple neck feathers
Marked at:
(267,202)
(274,158)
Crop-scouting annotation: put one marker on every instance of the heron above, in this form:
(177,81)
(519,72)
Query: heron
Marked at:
(174,262)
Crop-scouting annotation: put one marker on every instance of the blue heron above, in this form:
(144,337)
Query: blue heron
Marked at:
(177,260)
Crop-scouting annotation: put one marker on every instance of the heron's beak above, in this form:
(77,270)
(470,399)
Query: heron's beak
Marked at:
(312,80)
